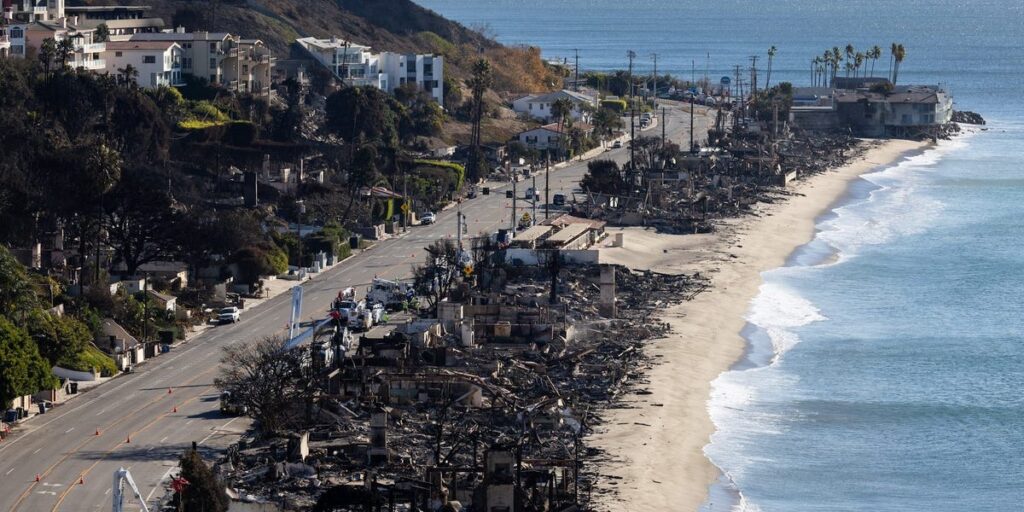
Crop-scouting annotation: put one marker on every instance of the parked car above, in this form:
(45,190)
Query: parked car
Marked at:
(558,200)
(428,218)
(617,144)
(228,315)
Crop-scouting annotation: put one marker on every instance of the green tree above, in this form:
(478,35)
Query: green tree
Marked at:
(874,54)
(16,296)
(60,338)
(102,33)
(22,370)
(849,58)
(604,176)
(606,121)
(892,56)
(203,493)
(355,112)
(562,109)
(140,219)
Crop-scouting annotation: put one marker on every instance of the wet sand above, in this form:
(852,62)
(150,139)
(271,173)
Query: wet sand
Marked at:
(656,452)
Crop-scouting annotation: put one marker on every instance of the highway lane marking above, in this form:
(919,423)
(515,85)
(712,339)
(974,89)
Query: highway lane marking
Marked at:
(68,431)
(164,439)
(83,474)
(8,471)
(37,451)
(217,430)
(160,396)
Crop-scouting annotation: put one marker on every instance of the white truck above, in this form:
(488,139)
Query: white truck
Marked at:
(391,294)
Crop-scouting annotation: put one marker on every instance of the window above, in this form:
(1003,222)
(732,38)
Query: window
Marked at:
(531,106)
(213,79)
(118,54)
(245,69)
(188,45)
(213,63)
(17,33)
(213,47)
(149,59)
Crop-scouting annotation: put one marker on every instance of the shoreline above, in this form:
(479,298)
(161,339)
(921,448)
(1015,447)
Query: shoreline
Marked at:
(654,444)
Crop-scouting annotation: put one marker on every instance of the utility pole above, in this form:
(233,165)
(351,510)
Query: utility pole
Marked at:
(691,124)
(298,231)
(145,307)
(632,109)
(458,225)
(515,194)
(547,188)
(663,128)
(655,55)
(533,199)
(753,76)
(576,82)
(405,200)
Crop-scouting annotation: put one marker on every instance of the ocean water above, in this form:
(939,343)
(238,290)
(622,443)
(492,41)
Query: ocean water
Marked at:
(886,360)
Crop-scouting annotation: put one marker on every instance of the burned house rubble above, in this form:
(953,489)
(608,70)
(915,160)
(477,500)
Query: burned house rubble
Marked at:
(484,408)
(687,191)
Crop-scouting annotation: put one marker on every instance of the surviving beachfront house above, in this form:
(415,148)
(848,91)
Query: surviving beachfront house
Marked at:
(538,106)
(158,63)
(5,42)
(242,65)
(86,53)
(357,65)
(905,111)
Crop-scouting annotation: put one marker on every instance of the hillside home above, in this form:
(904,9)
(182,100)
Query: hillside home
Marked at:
(358,66)
(242,65)
(86,54)
(158,63)
(538,106)
(122,21)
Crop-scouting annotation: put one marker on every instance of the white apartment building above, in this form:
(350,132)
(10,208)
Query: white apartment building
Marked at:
(27,11)
(243,65)
(357,65)
(158,63)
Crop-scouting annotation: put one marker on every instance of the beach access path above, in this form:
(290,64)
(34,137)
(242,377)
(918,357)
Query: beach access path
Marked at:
(655,447)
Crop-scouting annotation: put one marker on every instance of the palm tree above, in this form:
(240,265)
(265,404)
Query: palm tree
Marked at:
(481,80)
(892,55)
(65,48)
(849,58)
(561,108)
(900,54)
(858,61)
(875,53)
(47,52)
(771,57)
(129,74)
(837,57)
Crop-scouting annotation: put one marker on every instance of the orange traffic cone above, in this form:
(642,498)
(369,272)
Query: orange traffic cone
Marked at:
(175,409)
(97,431)
(128,439)
(169,391)
(37,477)
(81,480)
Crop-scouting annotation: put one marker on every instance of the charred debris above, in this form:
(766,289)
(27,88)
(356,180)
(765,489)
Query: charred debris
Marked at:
(485,407)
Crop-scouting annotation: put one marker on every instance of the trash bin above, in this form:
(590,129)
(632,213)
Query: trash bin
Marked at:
(73,388)
(42,407)
(165,348)
(353,241)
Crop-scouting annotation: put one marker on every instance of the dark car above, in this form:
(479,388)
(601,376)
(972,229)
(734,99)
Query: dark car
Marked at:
(558,200)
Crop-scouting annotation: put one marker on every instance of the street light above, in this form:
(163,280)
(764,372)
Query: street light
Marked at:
(298,231)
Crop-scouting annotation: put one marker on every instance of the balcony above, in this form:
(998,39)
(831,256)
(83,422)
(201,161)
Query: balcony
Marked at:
(93,48)
(90,65)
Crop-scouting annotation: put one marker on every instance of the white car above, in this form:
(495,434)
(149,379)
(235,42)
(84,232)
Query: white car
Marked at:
(428,218)
(617,144)
(228,315)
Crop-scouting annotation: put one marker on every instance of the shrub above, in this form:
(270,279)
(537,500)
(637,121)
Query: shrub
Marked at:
(460,171)
(616,105)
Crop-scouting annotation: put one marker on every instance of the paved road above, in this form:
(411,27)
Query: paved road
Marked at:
(145,420)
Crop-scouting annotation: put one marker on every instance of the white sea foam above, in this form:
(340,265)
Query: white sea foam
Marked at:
(740,402)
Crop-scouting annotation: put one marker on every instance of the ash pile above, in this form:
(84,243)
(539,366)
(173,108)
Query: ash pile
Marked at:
(485,406)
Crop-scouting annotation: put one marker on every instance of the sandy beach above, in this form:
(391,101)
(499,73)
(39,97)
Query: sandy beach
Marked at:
(655,447)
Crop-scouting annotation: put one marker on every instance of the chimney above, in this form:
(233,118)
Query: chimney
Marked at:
(179,30)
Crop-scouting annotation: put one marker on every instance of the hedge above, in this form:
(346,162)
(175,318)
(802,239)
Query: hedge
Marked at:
(458,168)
